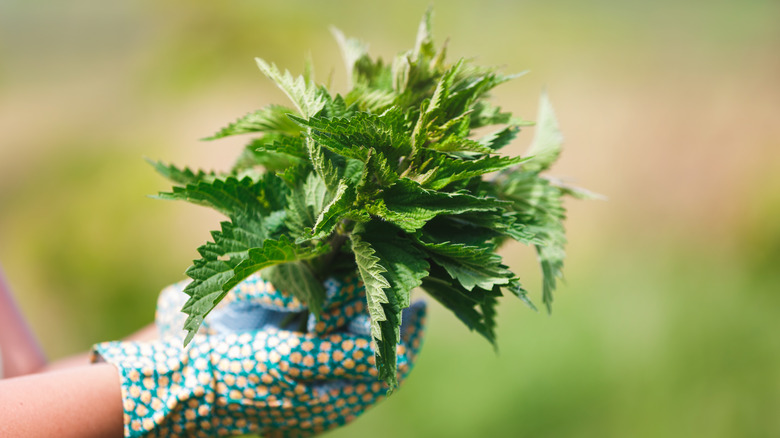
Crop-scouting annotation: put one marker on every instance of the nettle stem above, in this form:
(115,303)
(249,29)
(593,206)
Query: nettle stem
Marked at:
(339,237)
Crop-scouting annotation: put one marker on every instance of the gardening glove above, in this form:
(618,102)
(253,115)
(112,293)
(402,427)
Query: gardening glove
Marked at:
(272,380)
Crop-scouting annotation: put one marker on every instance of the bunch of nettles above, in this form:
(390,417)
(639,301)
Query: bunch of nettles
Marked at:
(388,180)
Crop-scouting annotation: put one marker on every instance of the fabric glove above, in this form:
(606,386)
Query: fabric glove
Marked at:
(250,369)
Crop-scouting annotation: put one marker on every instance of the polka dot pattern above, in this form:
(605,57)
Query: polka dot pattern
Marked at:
(271,380)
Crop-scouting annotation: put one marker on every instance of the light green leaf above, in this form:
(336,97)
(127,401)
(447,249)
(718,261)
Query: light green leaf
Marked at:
(351,50)
(340,205)
(272,119)
(308,99)
(182,176)
(547,142)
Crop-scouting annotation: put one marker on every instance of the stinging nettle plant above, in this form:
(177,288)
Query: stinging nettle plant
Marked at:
(388,180)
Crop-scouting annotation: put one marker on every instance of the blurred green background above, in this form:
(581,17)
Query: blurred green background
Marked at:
(669,323)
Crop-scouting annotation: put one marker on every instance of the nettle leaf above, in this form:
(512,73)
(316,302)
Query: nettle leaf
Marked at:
(352,50)
(404,269)
(293,146)
(464,304)
(308,99)
(485,114)
(214,269)
(273,252)
(488,308)
(272,119)
(227,196)
(352,137)
(471,266)
(383,308)
(181,176)
(272,161)
(540,205)
(497,140)
(378,173)
(446,170)
(519,291)
(305,204)
(424,46)
(339,207)
(546,145)
(405,263)
(323,166)
(410,206)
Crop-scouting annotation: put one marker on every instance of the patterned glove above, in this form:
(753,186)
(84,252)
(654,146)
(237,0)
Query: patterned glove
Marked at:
(250,370)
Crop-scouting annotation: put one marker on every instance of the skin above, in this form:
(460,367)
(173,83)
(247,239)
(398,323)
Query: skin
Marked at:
(67,398)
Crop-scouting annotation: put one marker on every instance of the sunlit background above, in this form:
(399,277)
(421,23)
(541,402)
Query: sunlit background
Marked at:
(669,322)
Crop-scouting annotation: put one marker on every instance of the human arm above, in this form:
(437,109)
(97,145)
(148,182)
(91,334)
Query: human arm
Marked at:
(80,402)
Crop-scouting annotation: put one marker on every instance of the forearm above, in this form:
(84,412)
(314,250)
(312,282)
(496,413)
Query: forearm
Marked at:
(21,353)
(82,402)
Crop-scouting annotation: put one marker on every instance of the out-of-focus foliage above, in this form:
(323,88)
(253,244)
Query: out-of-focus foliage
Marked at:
(668,324)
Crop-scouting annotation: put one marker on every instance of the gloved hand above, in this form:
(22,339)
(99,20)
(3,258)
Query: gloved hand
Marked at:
(250,371)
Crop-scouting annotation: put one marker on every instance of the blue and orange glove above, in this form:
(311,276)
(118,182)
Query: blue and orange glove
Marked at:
(252,370)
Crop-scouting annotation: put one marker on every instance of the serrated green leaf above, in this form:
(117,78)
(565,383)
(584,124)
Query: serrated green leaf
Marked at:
(292,146)
(218,259)
(182,176)
(335,211)
(273,252)
(497,140)
(452,296)
(226,196)
(384,312)
(306,96)
(471,266)
(351,50)
(488,308)
(271,119)
(404,262)
(445,170)
(540,205)
(354,136)
(322,165)
(271,161)
(517,289)
(424,47)
(410,206)
(205,292)
(546,145)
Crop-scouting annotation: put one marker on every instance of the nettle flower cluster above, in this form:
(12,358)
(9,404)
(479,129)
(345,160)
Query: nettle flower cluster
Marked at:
(388,180)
